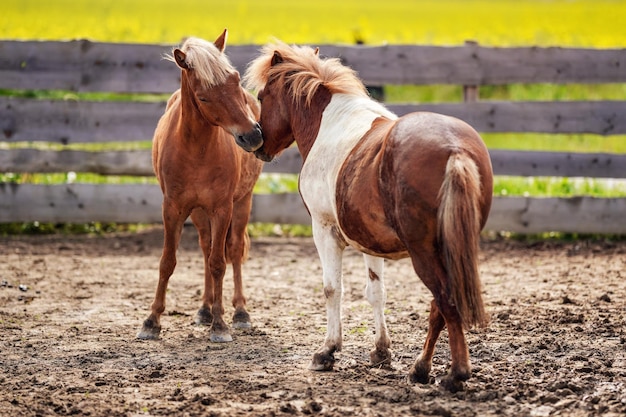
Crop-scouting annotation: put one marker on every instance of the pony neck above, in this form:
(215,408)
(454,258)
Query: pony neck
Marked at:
(306,120)
(346,113)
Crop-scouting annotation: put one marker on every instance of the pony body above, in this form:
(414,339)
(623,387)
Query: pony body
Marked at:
(418,186)
(204,175)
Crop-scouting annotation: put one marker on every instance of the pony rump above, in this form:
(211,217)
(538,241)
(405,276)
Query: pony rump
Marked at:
(303,71)
(210,64)
(459,227)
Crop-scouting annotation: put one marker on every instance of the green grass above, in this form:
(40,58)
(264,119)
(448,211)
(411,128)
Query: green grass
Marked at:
(515,92)
(86,96)
(556,142)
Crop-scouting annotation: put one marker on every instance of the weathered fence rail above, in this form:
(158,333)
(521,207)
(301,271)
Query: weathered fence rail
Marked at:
(84,66)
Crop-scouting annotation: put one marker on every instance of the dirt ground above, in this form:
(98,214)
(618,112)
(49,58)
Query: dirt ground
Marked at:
(70,307)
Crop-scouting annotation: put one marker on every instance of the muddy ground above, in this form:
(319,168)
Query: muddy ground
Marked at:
(70,307)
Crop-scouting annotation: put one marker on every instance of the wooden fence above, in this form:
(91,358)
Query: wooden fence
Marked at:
(84,66)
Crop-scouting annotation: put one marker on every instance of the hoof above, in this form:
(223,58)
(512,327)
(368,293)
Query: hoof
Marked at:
(149,331)
(420,375)
(204,317)
(451,384)
(220,337)
(219,332)
(380,358)
(241,320)
(322,362)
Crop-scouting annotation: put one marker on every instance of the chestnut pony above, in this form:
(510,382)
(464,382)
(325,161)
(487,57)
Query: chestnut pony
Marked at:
(205,175)
(418,186)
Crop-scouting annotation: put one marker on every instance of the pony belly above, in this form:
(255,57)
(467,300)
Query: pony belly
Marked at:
(362,221)
(377,252)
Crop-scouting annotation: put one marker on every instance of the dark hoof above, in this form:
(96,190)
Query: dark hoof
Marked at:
(204,317)
(220,333)
(322,362)
(420,375)
(452,384)
(149,331)
(380,357)
(241,320)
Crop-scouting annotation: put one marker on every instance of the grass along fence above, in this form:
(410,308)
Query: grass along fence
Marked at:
(89,135)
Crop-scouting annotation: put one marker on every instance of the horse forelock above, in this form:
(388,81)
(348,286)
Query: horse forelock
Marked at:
(302,71)
(209,63)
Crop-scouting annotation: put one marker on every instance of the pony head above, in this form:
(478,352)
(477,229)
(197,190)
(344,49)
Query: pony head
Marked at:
(214,87)
(287,78)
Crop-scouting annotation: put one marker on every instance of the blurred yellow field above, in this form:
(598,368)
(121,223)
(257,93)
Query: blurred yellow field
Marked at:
(589,23)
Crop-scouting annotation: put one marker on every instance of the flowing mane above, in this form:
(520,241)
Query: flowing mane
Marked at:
(210,64)
(302,71)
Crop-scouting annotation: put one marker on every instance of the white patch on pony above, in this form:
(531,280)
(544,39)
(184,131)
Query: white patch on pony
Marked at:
(377,297)
(345,121)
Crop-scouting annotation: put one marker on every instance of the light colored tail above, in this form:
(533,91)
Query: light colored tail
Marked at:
(459,232)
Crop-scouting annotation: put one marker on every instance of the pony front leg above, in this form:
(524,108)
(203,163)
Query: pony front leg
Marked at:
(377,296)
(173,222)
(330,252)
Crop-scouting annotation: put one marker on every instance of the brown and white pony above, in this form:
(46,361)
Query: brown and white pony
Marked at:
(205,175)
(418,186)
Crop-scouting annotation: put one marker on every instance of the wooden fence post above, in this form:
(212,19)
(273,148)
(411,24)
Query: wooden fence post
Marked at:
(470,92)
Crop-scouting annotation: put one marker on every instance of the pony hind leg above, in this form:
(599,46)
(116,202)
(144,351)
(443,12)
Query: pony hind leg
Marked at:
(220,222)
(330,251)
(237,245)
(376,296)
(442,314)
(173,222)
(420,371)
(204,317)
(460,370)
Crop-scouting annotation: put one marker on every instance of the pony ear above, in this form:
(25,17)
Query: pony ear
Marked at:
(277,58)
(181,59)
(317,51)
(220,42)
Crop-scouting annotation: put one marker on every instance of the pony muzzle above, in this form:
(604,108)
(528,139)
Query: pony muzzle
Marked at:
(260,154)
(252,140)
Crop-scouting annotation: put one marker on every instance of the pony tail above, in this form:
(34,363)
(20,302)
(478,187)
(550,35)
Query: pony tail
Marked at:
(458,233)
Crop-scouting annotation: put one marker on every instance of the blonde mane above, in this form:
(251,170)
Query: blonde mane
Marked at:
(210,64)
(302,71)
